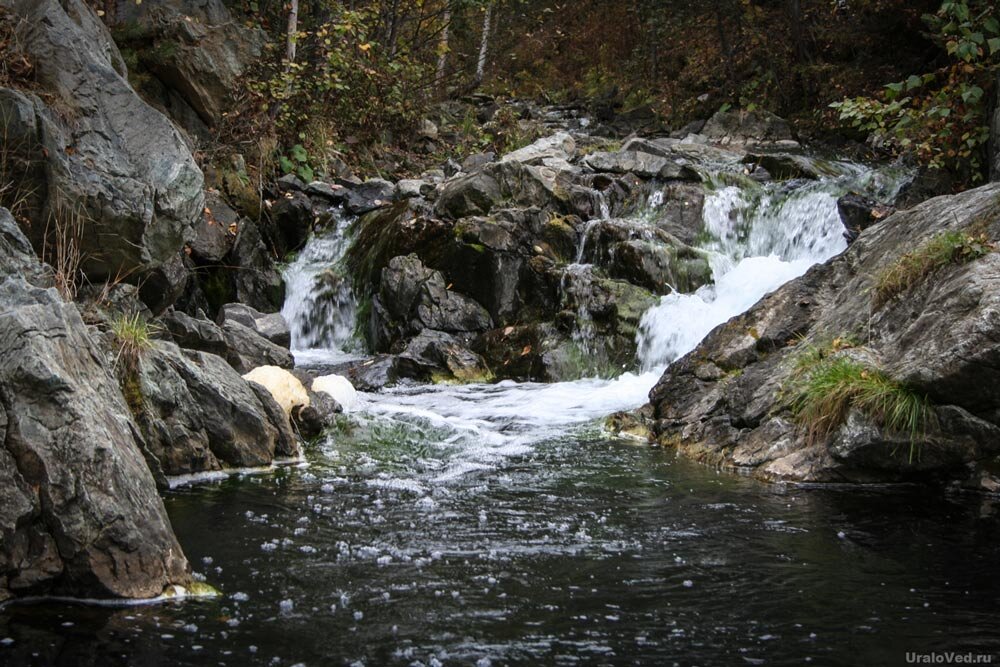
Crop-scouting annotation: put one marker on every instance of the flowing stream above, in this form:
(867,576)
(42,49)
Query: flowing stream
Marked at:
(497,524)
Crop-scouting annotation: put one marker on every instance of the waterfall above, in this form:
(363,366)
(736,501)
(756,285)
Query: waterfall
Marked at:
(320,306)
(759,238)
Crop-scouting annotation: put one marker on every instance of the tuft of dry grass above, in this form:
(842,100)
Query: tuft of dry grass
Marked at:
(947,248)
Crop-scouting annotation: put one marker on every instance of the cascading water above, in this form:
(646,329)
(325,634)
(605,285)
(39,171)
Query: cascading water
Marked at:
(490,525)
(759,238)
(320,306)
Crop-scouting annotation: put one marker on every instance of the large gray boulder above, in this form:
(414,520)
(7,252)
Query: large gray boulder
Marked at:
(747,127)
(643,165)
(247,349)
(510,184)
(202,51)
(271,326)
(412,298)
(729,402)
(116,173)
(197,414)
(79,510)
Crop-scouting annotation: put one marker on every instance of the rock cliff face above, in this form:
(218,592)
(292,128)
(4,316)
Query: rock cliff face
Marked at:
(79,510)
(202,50)
(731,400)
(109,171)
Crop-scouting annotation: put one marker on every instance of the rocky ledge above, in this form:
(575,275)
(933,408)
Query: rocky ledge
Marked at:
(932,338)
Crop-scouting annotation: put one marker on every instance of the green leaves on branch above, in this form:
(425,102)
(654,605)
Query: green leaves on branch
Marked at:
(941,116)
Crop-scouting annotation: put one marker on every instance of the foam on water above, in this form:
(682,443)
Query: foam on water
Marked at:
(757,237)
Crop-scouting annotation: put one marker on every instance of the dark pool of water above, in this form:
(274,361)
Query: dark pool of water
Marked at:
(590,552)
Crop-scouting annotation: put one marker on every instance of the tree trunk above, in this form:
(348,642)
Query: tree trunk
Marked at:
(727,54)
(484,44)
(393,29)
(293,31)
(795,18)
(443,46)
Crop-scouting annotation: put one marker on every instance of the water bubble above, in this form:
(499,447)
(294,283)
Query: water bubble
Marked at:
(688,583)
(286,606)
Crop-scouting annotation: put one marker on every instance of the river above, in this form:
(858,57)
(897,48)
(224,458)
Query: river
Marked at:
(498,524)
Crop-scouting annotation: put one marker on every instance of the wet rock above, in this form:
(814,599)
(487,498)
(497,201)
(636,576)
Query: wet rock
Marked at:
(119,170)
(257,283)
(271,326)
(680,212)
(858,213)
(747,127)
(505,184)
(643,165)
(784,166)
(413,298)
(247,349)
(647,257)
(79,511)
(436,356)
(373,374)
(197,414)
(634,424)
(660,269)
(926,184)
(194,333)
(938,339)
(292,219)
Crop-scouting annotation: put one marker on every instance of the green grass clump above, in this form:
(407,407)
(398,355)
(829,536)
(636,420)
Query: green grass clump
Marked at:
(953,247)
(829,387)
(134,335)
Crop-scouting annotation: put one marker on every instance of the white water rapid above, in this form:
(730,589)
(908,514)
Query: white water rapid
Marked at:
(757,237)
(320,307)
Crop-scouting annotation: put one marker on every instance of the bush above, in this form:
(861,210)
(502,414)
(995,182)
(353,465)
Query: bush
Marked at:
(941,117)
(345,89)
(828,385)
(947,248)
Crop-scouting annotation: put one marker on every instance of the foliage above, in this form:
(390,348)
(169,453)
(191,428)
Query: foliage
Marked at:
(952,247)
(134,335)
(940,116)
(829,384)
(297,162)
(345,88)
(508,132)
